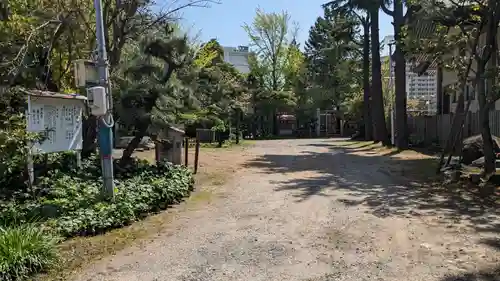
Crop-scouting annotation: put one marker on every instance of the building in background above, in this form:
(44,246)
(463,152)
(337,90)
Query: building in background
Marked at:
(422,88)
(238,57)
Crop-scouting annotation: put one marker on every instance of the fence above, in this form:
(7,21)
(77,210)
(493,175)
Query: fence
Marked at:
(205,135)
(436,129)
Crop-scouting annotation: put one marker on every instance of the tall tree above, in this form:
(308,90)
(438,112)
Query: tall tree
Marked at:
(333,57)
(399,21)
(270,35)
(377,96)
(363,17)
(221,90)
(148,90)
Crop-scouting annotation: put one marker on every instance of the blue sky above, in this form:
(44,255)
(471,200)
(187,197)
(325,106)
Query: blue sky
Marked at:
(223,21)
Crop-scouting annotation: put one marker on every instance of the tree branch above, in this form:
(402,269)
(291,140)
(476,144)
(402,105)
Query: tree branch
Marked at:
(385,9)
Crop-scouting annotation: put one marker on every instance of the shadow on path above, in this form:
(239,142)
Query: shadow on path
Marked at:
(386,184)
(488,274)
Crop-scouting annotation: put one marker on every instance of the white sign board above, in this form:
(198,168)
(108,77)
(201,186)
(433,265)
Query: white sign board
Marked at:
(60,119)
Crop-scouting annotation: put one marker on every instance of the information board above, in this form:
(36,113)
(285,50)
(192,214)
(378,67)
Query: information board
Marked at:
(60,119)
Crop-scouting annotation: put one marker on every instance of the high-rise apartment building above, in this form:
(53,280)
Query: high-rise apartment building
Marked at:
(238,57)
(422,88)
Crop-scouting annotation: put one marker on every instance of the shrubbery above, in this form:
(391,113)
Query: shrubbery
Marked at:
(66,202)
(25,249)
(69,202)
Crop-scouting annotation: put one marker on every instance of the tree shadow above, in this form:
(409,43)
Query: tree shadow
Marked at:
(387,184)
(492,274)
(487,274)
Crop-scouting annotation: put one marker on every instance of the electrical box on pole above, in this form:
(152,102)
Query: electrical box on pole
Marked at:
(85,73)
(97,100)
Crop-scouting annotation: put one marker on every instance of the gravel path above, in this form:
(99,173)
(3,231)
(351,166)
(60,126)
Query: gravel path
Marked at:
(302,210)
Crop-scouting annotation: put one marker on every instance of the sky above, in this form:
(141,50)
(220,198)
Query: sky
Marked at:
(224,21)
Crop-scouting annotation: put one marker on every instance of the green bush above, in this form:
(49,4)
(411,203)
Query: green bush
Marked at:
(71,205)
(66,201)
(24,250)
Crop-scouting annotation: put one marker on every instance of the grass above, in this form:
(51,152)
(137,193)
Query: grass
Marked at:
(24,250)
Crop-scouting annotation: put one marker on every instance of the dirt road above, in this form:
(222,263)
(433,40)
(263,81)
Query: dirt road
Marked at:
(308,210)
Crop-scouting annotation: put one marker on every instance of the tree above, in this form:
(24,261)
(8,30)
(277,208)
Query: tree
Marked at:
(147,88)
(210,54)
(41,39)
(399,20)
(381,134)
(461,25)
(269,34)
(333,58)
(221,90)
(363,17)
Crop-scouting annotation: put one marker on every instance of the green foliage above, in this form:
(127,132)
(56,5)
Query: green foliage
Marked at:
(333,59)
(151,95)
(269,35)
(24,250)
(15,142)
(276,66)
(210,54)
(220,89)
(69,202)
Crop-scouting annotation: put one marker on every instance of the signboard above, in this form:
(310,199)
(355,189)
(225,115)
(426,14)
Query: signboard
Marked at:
(59,117)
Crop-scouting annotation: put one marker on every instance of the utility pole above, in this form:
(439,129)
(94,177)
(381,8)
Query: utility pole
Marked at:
(105,123)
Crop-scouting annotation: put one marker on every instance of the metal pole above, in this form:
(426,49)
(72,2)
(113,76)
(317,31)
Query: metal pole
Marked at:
(105,123)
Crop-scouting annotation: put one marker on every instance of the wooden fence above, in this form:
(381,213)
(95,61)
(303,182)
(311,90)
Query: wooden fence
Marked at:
(435,129)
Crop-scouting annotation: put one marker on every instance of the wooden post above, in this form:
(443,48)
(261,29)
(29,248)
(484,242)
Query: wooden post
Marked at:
(196,155)
(30,167)
(78,159)
(158,148)
(238,117)
(186,151)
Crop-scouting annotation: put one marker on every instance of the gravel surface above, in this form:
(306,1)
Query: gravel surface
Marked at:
(304,210)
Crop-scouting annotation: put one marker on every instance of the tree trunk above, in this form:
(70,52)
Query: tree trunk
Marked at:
(134,143)
(439,92)
(381,134)
(460,114)
(484,121)
(400,79)
(485,86)
(367,114)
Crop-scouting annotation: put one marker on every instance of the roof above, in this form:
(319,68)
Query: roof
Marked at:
(176,130)
(47,94)
(287,117)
